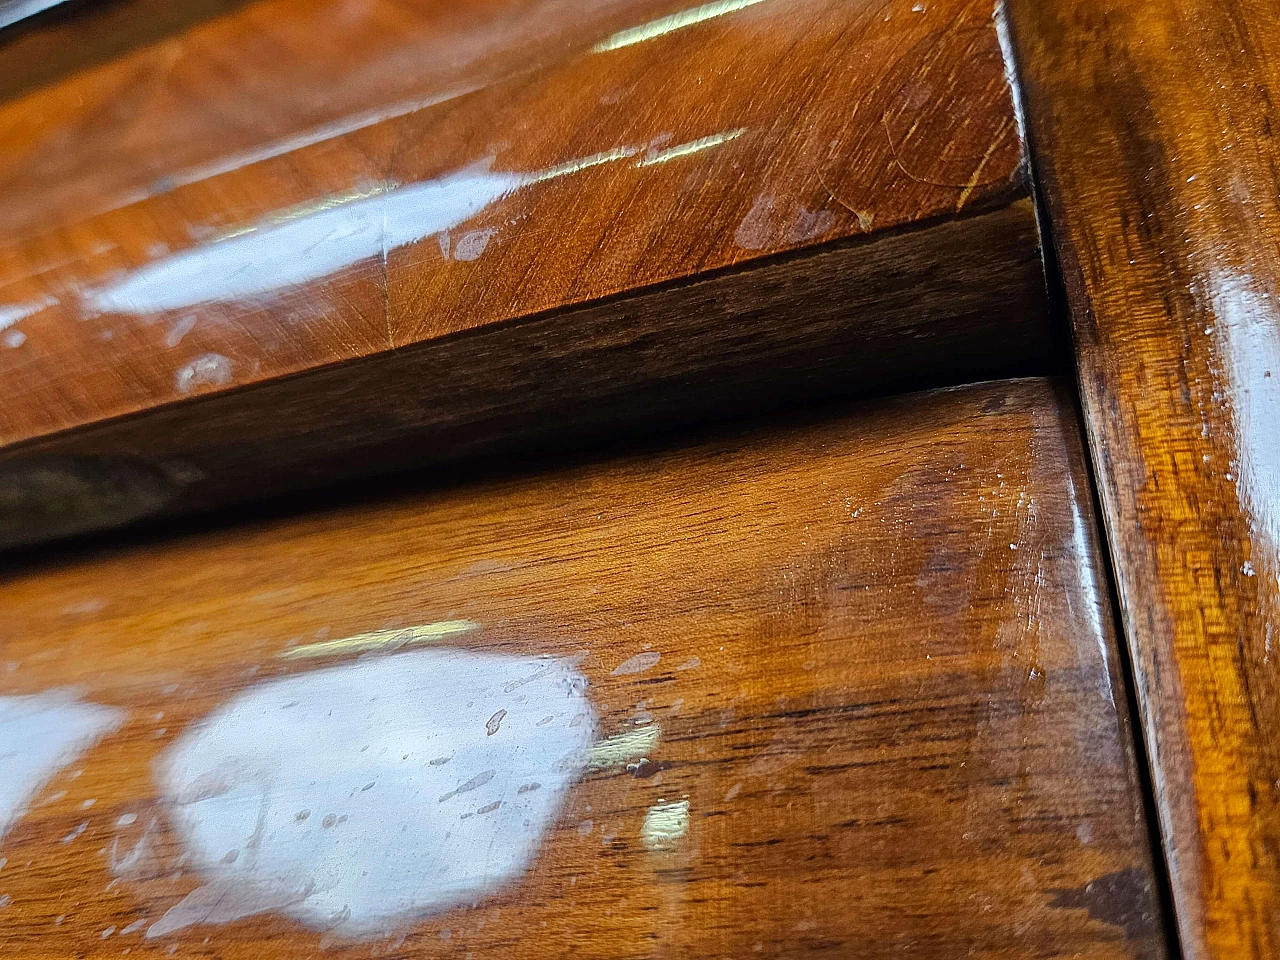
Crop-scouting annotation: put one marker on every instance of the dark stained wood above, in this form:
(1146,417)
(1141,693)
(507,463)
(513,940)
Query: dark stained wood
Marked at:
(1154,127)
(876,651)
(267,197)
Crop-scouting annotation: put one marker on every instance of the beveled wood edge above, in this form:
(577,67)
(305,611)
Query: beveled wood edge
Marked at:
(909,310)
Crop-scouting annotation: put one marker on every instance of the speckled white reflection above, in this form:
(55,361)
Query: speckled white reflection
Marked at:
(356,797)
(1249,334)
(39,734)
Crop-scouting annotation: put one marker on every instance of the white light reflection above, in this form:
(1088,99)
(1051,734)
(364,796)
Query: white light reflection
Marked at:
(38,735)
(1248,332)
(275,255)
(695,146)
(365,795)
(676,21)
(305,244)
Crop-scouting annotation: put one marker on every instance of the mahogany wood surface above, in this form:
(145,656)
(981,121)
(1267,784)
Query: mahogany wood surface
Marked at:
(865,667)
(79,34)
(1154,127)
(404,189)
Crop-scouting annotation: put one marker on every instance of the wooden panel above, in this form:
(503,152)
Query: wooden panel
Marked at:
(296,186)
(871,655)
(1154,127)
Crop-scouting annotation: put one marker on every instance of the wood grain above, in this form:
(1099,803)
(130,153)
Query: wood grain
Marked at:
(1154,129)
(876,651)
(290,188)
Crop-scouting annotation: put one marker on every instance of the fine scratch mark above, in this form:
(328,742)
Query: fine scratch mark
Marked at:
(973,181)
(976,180)
(307,138)
(866,218)
(380,640)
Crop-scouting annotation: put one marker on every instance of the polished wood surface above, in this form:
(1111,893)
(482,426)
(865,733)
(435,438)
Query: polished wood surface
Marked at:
(865,667)
(1154,131)
(291,187)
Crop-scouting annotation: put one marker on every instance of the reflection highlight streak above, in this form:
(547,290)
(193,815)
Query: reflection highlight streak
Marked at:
(694,146)
(669,24)
(364,796)
(304,244)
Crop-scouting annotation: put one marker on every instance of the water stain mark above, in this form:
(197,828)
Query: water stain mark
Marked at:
(1123,899)
(647,768)
(475,783)
(206,370)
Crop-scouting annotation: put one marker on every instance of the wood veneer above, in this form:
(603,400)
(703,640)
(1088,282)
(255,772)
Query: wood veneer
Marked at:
(1154,131)
(877,649)
(298,241)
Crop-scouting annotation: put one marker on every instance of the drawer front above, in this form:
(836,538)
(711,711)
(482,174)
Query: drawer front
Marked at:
(309,240)
(838,688)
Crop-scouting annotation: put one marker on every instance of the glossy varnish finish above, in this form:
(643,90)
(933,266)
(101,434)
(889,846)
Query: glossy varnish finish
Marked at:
(291,187)
(12,11)
(871,655)
(1154,129)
